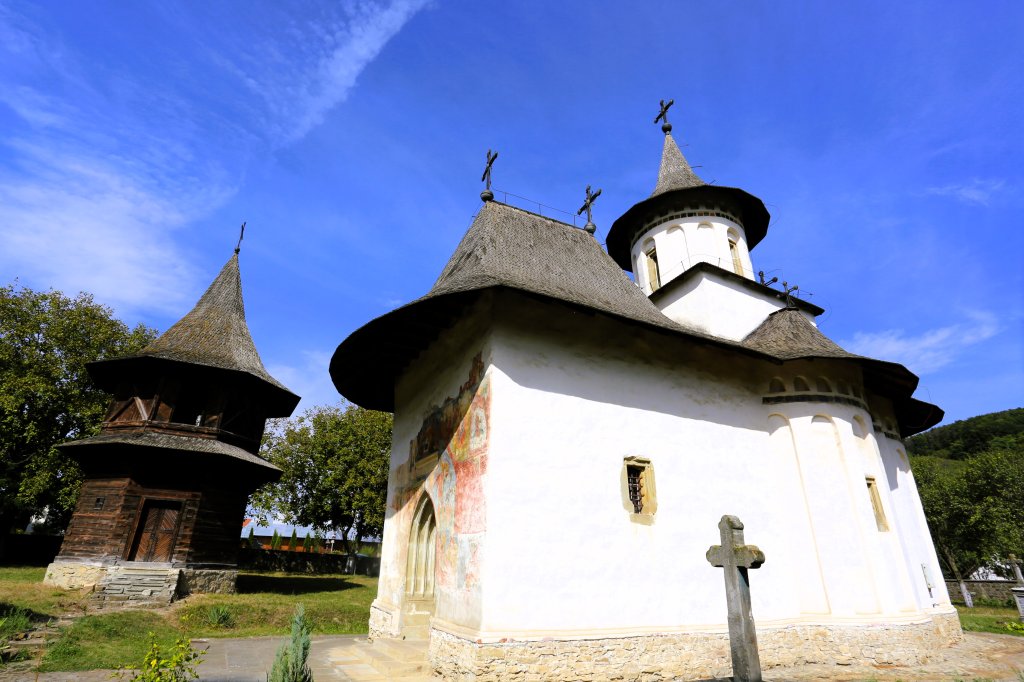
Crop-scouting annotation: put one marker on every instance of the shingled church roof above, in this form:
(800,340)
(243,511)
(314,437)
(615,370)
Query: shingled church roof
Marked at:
(788,334)
(674,172)
(507,247)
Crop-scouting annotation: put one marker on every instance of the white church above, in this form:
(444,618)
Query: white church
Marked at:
(566,441)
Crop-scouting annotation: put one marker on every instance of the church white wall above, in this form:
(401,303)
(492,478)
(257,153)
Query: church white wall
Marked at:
(699,303)
(563,557)
(681,243)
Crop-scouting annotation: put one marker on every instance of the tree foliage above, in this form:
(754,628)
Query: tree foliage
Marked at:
(335,471)
(46,396)
(970,476)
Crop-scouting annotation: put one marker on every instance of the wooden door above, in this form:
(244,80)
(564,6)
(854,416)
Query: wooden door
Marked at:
(156,532)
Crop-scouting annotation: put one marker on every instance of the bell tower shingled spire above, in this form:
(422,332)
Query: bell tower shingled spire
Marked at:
(675,172)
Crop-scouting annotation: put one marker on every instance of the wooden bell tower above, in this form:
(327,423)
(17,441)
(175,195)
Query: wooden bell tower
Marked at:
(168,476)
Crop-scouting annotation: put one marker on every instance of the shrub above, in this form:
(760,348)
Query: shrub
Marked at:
(290,662)
(177,665)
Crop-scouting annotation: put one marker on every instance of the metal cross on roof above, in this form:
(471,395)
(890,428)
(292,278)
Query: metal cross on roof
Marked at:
(789,293)
(487,194)
(241,233)
(588,207)
(666,127)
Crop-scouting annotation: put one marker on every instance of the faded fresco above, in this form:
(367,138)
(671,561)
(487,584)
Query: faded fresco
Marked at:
(453,436)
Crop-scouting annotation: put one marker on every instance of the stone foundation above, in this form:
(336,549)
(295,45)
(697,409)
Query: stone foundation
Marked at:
(135,586)
(382,623)
(688,655)
(207,580)
(73,576)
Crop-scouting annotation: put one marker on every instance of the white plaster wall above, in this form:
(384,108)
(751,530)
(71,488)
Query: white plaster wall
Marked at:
(700,303)
(916,541)
(564,558)
(684,242)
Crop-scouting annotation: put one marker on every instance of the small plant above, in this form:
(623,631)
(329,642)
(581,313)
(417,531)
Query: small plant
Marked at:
(253,542)
(219,616)
(13,620)
(177,665)
(1016,627)
(290,663)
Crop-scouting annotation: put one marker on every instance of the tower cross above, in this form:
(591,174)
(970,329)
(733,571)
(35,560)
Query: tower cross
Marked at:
(736,557)
(663,115)
(588,207)
(241,233)
(487,194)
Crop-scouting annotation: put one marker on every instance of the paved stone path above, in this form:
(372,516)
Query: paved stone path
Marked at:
(979,656)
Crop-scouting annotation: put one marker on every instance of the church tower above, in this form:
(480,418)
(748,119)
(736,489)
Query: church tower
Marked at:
(689,244)
(168,476)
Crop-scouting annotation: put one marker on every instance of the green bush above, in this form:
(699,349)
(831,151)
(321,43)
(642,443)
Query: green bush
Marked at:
(177,665)
(290,662)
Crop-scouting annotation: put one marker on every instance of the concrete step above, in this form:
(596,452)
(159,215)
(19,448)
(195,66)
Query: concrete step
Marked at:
(416,650)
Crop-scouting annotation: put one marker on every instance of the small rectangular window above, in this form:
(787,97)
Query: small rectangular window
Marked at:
(876,505)
(98,504)
(638,492)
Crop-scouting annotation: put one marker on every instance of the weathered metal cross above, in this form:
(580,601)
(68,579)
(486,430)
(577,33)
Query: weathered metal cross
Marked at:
(736,557)
(663,114)
(486,177)
(588,207)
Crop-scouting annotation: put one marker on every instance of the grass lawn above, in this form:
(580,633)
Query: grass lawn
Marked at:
(334,604)
(988,619)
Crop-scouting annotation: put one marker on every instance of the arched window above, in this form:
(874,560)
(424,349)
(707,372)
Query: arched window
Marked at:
(651,260)
(776,385)
(800,384)
(734,252)
(823,386)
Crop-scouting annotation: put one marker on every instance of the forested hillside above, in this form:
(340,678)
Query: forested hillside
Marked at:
(960,440)
(971,478)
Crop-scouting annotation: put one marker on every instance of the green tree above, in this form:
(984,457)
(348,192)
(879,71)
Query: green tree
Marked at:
(47,397)
(334,463)
(275,541)
(294,542)
(975,507)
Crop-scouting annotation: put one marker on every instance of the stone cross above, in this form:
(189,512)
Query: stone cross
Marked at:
(1015,563)
(736,557)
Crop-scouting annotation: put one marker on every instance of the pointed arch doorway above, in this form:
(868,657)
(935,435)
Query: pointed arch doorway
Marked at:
(419,573)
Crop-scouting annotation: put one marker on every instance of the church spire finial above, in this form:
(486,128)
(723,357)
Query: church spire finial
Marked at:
(241,233)
(666,127)
(587,206)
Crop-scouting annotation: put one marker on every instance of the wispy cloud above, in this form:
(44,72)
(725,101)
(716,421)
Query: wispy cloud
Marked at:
(104,163)
(928,351)
(977,192)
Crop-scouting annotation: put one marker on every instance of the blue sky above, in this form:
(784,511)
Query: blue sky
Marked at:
(885,139)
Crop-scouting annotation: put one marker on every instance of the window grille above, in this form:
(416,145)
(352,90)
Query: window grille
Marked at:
(634,482)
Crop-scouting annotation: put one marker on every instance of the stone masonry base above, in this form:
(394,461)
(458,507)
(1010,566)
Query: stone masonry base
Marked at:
(138,584)
(687,655)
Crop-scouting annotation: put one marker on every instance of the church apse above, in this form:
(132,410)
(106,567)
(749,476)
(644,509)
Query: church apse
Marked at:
(448,460)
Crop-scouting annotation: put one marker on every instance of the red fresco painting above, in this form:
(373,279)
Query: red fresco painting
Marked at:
(456,432)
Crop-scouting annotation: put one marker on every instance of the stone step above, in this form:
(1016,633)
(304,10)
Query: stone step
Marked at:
(416,650)
(393,665)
